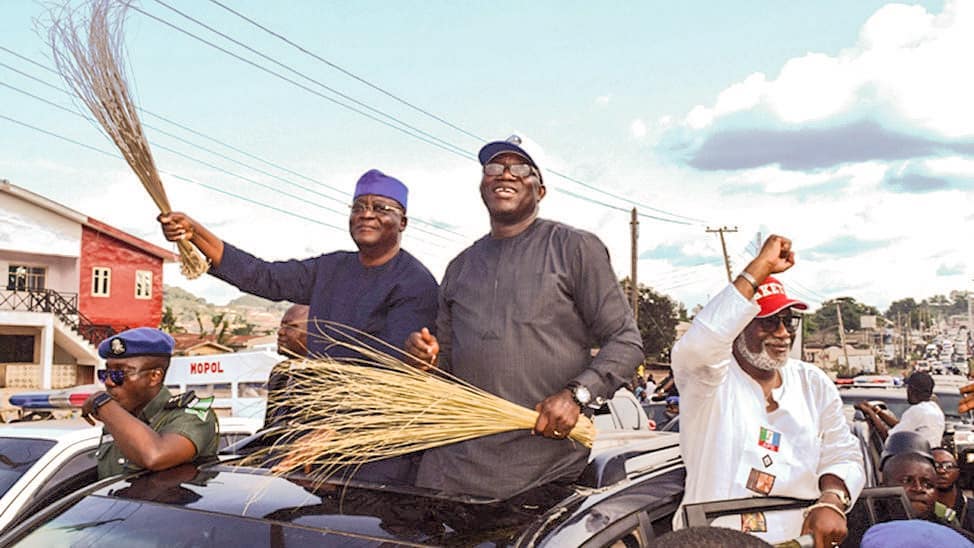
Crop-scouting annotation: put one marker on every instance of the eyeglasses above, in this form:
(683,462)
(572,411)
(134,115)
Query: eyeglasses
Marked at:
(118,375)
(945,466)
(517,170)
(379,209)
(770,323)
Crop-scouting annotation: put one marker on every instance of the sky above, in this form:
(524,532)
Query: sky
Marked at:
(845,126)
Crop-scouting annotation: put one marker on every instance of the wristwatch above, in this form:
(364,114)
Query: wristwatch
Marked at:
(580,394)
(844,499)
(99,400)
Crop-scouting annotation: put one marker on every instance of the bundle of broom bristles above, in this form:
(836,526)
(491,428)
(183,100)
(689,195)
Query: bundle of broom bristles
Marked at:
(88,53)
(342,413)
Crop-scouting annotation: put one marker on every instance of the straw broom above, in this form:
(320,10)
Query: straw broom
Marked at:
(91,64)
(346,412)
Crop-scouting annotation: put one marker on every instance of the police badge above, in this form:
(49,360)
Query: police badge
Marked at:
(118,346)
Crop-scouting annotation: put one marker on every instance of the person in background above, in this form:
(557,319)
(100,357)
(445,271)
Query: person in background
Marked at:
(292,336)
(957,507)
(149,428)
(923,416)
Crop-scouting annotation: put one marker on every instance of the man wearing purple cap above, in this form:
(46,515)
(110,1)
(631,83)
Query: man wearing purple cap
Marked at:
(380,290)
(520,312)
(755,422)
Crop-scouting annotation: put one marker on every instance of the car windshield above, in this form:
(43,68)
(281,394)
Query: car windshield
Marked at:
(896,401)
(17,455)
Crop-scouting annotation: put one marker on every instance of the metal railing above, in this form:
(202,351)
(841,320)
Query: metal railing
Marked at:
(63,305)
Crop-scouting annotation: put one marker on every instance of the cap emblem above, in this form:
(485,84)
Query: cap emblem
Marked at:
(118,347)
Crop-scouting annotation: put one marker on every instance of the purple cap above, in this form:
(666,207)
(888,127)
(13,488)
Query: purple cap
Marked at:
(512,144)
(378,183)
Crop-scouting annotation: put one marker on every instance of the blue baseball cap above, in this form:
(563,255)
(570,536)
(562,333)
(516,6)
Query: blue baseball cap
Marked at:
(511,144)
(378,183)
(141,341)
(673,400)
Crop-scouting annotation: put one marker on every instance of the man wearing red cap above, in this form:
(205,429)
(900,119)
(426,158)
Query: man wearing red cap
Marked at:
(756,422)
(380,290)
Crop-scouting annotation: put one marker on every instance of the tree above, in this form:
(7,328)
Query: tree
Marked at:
(824,324)
(168,322)
(658,316)
(906,310)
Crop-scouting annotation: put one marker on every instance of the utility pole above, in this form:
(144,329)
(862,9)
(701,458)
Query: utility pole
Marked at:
(634,289)
(723,246)
(838,313)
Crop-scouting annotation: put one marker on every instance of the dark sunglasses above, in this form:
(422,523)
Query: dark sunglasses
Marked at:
(118,375)
(770,323)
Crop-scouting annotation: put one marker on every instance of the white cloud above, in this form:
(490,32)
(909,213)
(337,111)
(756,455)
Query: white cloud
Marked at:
(909,69)
(638,128)
(603,100)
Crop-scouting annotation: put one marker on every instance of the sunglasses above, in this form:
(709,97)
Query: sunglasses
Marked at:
(770,323)
(118,375)
(517,170)
(379,209)
(945,466)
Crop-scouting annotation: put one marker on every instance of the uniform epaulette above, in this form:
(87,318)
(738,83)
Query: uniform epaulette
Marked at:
(181,401)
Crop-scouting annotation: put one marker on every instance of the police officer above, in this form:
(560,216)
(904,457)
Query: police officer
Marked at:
(150,428)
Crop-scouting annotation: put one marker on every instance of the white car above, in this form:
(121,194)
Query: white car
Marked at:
(42,461)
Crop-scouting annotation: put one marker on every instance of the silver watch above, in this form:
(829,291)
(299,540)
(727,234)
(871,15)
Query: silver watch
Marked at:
(580,394)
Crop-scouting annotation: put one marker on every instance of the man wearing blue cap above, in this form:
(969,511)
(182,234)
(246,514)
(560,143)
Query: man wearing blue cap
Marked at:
(150,428)
(380,290)
(520,312)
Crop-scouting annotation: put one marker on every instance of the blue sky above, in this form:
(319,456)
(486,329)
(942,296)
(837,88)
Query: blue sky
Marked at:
(845,125)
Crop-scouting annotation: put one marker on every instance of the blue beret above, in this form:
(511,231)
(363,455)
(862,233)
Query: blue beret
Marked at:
(911,533)
(380,184)
(141,341)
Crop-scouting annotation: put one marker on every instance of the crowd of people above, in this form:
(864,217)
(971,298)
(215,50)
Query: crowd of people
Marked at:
(518,313)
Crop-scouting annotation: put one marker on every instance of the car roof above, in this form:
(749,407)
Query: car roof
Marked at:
(50,429)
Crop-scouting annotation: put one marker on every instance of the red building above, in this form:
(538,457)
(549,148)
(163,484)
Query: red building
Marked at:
(71,281)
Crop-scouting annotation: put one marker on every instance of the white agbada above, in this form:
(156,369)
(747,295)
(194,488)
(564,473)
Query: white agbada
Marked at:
(925,418)
(727,435)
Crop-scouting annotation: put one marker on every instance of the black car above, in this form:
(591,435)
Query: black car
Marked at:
(627,495)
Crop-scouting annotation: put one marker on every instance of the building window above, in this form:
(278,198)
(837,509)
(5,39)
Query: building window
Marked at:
(143,284)
(17,348)
(101,281)
(21,277)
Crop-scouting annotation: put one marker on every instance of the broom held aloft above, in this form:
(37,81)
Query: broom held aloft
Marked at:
(177,226)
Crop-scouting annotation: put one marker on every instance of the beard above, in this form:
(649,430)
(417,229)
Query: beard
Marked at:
(761,359)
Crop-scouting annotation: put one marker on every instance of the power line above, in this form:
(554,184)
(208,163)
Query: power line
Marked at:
(180,177)
(440,143)
(205,163)
(347,72)
(449,148)
(431,115)
(305,76)
(215,153)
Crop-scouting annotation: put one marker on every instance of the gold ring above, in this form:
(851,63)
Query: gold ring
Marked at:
(557,433)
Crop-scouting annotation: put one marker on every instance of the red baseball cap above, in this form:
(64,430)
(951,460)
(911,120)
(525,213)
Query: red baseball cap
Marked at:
(772,299)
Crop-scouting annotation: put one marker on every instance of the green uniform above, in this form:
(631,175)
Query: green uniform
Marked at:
(164,414)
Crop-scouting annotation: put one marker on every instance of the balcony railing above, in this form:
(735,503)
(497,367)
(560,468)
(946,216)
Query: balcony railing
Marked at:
(63,305)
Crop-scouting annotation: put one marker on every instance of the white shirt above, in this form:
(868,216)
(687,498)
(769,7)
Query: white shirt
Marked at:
(925,418)
(727,435)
